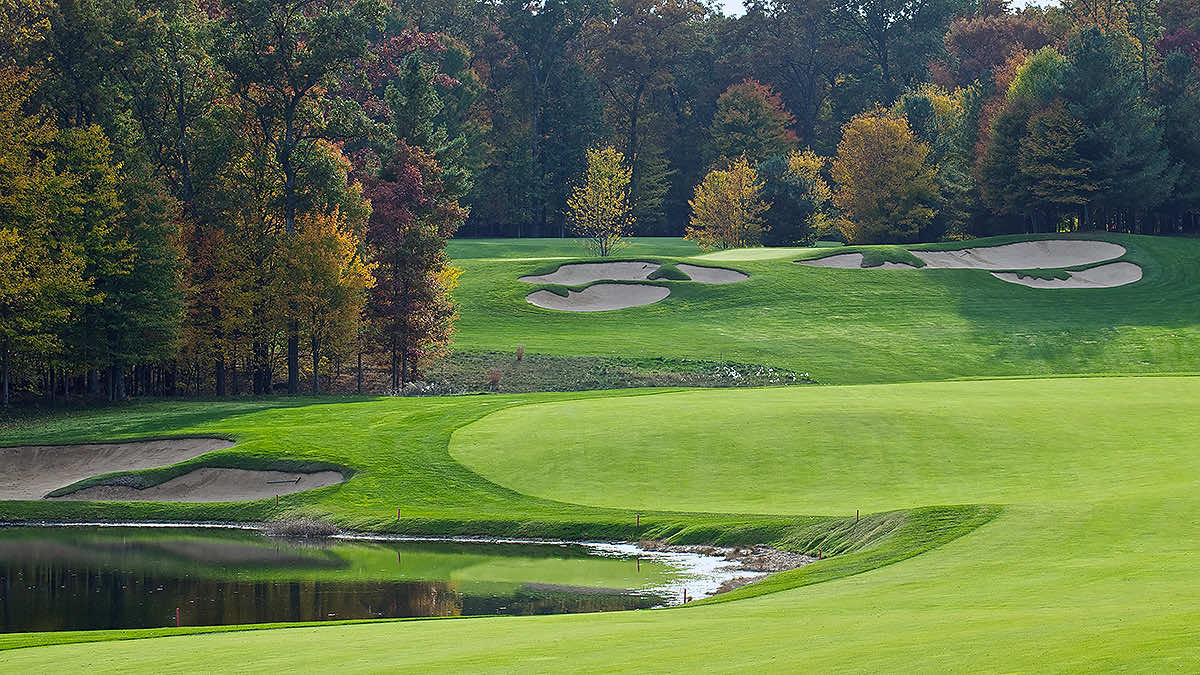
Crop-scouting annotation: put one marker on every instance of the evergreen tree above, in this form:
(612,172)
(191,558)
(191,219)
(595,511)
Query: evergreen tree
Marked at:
(1122,138)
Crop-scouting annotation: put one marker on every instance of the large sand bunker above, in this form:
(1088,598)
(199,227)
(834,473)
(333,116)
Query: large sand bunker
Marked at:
(711,275)
(1025,255)
(600,297)
(30,472)
(585,273)
(211,484)
(1104,276)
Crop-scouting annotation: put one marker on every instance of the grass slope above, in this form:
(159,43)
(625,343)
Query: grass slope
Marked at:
(851,326)
(1090,565)
(548,247)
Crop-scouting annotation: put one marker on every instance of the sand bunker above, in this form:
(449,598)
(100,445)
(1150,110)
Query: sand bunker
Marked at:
(711,275)
(1025,255)
(853,261)
(210,484)
(600,297)
(1104,276)
(585,273)
(29,472)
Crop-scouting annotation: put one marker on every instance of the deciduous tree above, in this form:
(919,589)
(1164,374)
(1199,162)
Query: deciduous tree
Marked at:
(599,211)
(886,190)
(727,209)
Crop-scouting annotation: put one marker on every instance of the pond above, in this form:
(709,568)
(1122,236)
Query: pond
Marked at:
(78,578)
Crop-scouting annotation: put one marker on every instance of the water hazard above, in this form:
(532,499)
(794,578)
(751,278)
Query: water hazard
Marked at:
(79,578)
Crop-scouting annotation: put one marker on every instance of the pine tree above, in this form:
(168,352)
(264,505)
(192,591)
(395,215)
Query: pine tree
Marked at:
(1122,138)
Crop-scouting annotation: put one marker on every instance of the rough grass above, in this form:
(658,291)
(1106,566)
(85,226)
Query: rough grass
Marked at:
(883,326)
(466,372)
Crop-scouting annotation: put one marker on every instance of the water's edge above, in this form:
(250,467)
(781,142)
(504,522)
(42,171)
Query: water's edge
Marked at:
(705,570)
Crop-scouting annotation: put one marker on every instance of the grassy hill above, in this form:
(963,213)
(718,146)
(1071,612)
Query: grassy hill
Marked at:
(858,326)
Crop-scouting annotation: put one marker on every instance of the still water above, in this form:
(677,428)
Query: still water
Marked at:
(73,578)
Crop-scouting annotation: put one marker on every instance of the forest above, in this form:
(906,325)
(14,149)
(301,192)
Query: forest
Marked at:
(234,196)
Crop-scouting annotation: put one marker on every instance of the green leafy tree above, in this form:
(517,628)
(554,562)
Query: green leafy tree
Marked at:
(1122,137)
(751,121)
(799,199)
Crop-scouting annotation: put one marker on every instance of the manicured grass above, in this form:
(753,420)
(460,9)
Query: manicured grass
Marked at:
(1090,564)
(568,247)
(851,326)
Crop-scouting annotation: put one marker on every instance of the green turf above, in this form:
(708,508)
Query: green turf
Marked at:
(1090,564)
(546,247)
(846,326)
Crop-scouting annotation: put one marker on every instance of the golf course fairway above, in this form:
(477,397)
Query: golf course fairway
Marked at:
(1089,563)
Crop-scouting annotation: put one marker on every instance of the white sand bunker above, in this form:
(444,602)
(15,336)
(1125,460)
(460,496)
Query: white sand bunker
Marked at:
(1104,276)
(1025,255)
(29,472)
(711,275)
(600,297)
(853,261)
(211,484)
(585,273)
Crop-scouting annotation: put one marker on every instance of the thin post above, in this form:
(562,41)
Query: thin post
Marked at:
(178,621)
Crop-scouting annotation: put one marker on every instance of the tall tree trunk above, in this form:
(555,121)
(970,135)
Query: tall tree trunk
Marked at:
(4,365)
(360,372)
(316,386)
(234,387)
(293,357)
(219,375)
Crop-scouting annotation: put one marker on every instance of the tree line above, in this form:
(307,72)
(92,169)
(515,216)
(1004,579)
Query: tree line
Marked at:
(218,194)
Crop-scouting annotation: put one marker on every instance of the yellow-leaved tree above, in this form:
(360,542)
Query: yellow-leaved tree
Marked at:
(328,280)
(598,208)
(727,208)
(886,190)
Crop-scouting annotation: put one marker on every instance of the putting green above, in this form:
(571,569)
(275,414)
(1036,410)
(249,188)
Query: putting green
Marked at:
(1090,566)
(831,450)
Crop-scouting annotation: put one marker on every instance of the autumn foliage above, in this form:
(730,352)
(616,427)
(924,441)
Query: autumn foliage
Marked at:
(599,211)
(886,191)
(727,208)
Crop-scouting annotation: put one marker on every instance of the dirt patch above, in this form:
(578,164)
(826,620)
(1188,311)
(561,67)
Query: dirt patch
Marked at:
(212,484)
(585,273)
(32,471)
(1025,255)
(600,298)
(712,275)
(1104,276)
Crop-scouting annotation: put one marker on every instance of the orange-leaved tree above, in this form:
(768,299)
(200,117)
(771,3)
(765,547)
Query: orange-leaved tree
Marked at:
(886,190)
(329,278)
(598,208)
(727,208)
